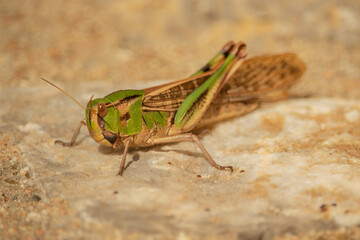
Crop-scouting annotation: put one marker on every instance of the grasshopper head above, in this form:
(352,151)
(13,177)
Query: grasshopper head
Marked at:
(114,117)
(99,118)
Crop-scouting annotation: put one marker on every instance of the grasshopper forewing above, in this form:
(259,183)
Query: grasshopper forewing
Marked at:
(227,86)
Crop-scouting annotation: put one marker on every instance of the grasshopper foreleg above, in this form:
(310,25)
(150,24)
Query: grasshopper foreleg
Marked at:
(123,158)
(74,137)
(189,137)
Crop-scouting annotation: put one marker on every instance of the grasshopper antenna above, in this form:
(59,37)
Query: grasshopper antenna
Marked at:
(71,97)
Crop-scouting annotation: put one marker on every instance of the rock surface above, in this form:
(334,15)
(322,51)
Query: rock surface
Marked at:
(296,162)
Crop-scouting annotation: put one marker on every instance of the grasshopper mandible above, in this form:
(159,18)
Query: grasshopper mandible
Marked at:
(226,87)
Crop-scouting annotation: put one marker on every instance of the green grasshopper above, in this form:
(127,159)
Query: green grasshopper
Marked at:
(226,87)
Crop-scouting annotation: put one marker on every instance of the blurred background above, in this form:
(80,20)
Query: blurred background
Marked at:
(122,42)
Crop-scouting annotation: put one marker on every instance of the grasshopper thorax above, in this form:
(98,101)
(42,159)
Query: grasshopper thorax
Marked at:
(115,117)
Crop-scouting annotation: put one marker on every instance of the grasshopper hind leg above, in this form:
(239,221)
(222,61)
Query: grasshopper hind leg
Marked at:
(190,137)
(208,156)
(74,137)
(223,53)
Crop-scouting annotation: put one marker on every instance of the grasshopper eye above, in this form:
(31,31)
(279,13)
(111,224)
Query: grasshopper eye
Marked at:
(102,109)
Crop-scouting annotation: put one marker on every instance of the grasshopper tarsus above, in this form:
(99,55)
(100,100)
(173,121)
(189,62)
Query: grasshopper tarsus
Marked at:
(64,144)
(227,168)
(120,173)
(223,168)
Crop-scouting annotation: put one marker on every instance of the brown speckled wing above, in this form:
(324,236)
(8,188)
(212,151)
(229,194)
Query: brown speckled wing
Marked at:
(264,78)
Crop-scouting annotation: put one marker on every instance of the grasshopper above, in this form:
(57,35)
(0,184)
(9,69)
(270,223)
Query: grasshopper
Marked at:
(226,87)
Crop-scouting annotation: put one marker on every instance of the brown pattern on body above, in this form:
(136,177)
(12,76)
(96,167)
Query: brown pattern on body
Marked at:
(173,96)
(257,78)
